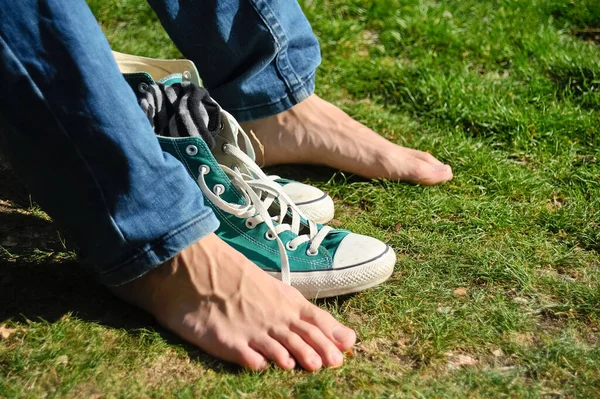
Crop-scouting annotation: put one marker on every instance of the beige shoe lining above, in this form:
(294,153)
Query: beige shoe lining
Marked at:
(157,68)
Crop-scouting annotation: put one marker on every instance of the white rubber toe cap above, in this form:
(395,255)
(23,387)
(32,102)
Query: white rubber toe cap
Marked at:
(359,263)
(314,203)
(303,193)
(356,249)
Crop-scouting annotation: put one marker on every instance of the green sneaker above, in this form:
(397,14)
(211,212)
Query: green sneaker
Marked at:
(314,203)
(259,220)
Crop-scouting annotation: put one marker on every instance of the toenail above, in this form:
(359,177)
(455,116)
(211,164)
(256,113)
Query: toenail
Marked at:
(337,358)
(291,362)
(340,333)
(315,360)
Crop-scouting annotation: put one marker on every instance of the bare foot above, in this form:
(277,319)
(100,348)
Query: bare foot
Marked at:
(214,297)
(317,132)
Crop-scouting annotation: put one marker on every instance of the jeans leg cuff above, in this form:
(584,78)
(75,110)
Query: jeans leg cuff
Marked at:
(152,254)
(300,93)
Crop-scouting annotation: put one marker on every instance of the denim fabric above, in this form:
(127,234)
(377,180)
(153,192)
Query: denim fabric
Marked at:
(256,57)
(75,133)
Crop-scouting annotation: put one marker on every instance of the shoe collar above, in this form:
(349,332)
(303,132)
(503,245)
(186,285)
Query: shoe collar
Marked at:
(158,69)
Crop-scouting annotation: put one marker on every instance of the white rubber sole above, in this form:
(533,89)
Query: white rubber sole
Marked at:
(328,283)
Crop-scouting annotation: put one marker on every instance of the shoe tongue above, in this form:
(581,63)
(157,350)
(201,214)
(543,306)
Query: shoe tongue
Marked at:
(228,133)
(231,133)
(331,240)
(274,210)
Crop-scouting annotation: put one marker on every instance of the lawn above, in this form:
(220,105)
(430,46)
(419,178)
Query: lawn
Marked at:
(496,292)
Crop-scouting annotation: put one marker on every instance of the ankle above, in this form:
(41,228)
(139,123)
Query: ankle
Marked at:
(143,291)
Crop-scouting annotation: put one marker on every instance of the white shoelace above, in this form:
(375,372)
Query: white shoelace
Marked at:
(247,158)
(256,208)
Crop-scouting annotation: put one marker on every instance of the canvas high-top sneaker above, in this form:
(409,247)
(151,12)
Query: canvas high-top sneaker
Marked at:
(261,221)
(257,217)
(312,202)
(141,72)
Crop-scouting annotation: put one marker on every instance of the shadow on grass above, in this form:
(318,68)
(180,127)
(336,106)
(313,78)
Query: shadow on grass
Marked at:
(310,173)
(40,281)
(589,34)
(50,290)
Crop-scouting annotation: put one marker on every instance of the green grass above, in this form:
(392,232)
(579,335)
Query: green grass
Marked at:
(508,93)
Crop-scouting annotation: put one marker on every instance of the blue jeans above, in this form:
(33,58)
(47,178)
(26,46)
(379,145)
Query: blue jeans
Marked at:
(72,128)
(256,57)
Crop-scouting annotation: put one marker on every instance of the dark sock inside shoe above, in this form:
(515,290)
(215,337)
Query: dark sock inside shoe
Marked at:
(181,110)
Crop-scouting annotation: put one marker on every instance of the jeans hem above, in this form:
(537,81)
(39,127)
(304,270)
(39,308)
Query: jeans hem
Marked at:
(152,254)
(259,111)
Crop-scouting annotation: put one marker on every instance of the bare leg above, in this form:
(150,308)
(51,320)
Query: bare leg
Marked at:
(317,132)
(215,298)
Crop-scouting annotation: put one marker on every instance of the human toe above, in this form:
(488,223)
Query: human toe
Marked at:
(308,358)
(425,156)
(437,174)
(247,358)
(424,173)
(313,336)
(275,352)
(229,347)
(343,337)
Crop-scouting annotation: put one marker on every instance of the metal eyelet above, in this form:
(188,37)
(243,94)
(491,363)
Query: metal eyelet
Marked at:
(290,247)
(191,150)
(309,252)
(204,169)
(186,75)
(221,127)
(224,148)
(270,236)
(249,224)
(143,87)
(219,189)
